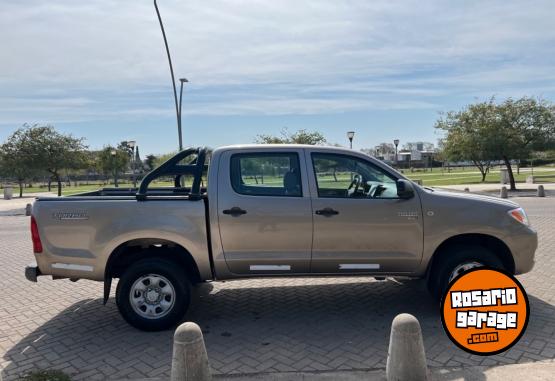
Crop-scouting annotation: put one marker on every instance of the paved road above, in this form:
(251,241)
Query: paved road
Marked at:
(250,326)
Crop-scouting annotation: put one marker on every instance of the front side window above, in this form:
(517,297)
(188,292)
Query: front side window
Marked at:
(342,176)
(266,174)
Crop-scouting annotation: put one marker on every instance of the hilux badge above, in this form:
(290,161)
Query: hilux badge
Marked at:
(70,216)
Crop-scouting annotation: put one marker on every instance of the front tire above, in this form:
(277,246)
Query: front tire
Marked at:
(153,294)
(456,261)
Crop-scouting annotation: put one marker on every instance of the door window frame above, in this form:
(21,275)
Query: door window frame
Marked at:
(352,157)
(266,154)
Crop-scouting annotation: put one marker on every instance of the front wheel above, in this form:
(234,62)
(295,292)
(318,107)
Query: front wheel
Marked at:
(153,295)
(456,261)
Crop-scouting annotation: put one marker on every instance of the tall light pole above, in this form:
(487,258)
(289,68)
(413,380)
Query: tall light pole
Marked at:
(131,144)
(180,119)
(350,136)
(114,164)
(396,142)
(177,108)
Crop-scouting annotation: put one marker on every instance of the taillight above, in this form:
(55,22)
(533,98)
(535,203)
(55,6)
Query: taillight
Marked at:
(37,244)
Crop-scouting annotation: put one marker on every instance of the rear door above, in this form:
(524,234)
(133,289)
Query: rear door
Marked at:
(361,228)
(264,211)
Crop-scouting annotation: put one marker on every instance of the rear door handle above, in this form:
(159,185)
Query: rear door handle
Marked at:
(328,212)
(235,211)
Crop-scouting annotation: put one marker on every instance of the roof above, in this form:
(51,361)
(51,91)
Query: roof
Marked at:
(345,150)
(254,145)
(274,146)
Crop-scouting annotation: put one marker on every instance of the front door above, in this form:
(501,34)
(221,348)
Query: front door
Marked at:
(264,212)
(360,225)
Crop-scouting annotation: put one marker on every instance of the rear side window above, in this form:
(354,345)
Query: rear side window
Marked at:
(266,174)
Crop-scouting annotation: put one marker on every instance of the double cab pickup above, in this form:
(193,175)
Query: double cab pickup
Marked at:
(269,210)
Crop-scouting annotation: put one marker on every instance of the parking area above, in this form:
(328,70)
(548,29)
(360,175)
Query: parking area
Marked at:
(250,326)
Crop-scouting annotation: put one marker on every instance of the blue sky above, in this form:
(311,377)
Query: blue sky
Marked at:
(384,69)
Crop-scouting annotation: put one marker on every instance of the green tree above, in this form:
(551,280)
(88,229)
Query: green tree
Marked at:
(139,167)
(299,137)
(113,161)
(524,125)
(386,148)
(16,160)
(468,135)
(53,152)
(124,146)
(161,159)
(511,130)
(150,162)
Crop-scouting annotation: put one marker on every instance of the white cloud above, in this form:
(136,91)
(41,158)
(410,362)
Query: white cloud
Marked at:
(242,57)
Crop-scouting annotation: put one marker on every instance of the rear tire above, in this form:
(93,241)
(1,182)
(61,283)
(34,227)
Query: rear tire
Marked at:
(153,294)
(455,261)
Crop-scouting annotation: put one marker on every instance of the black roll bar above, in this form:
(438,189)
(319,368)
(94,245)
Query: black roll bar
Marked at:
(172,168)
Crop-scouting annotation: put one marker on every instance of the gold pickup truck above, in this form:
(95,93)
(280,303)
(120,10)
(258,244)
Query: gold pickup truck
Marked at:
(269,210)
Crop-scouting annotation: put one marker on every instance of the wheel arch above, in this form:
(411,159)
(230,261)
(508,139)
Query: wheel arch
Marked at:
(493,244)
(137,249)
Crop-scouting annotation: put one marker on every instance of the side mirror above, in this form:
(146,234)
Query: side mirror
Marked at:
(404,189)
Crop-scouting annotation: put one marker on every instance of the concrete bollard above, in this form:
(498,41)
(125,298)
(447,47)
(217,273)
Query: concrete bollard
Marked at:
(189,360)
(504,193)
(28,209)
(406,358)
(8,193)
(541,191)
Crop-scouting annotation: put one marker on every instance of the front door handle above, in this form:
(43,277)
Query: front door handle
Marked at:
(327,212)
(235,211)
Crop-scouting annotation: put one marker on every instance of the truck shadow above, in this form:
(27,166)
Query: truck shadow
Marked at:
(260,325)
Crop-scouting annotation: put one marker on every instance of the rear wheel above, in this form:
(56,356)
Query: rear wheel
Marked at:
(456,261)
(153,294)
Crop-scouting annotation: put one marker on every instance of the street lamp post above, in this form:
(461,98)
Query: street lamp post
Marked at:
(180,118)
(396,142)
(131,144)
(177,107)
(115,168)
(350,136)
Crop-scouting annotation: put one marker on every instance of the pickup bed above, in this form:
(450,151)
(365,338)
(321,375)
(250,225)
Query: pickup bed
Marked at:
(269,210)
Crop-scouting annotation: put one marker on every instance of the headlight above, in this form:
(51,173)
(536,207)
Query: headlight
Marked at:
(519,215)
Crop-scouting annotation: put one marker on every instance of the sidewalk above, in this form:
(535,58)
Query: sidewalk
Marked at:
(517,372)
(536,371)
(523,189)
(16,206)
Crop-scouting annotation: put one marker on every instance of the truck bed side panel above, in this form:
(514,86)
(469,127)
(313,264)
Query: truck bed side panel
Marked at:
(78,236)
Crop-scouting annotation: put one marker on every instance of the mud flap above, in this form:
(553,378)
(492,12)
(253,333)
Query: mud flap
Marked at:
(107,287)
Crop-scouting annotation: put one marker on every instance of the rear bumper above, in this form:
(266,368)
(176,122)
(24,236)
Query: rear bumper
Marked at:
(32,271)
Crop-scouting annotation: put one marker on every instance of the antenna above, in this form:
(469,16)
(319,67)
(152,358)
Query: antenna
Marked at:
(177,108)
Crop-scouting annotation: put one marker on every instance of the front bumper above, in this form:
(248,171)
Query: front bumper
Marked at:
(32,271)
(523,246)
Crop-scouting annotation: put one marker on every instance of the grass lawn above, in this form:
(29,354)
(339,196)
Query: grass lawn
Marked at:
(70,190)
(472,176)
(81,188)
(437,177)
